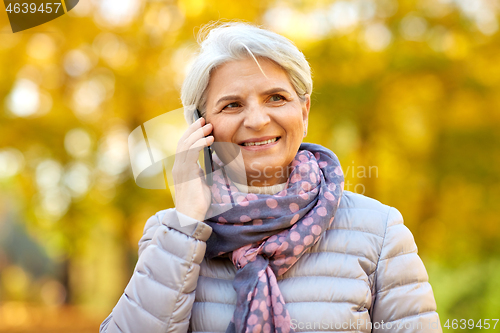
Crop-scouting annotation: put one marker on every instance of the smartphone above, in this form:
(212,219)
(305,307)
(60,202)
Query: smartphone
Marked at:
(207,152)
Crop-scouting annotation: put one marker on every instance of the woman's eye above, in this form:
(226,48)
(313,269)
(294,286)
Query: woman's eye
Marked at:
(231,105)
(277,98)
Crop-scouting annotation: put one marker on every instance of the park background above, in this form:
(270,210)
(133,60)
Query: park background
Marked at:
(406,89)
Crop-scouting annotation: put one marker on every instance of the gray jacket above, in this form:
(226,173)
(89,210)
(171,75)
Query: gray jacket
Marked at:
(363,275)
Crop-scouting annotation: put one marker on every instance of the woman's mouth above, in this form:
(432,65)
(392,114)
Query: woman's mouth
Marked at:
(265,142)
(260,142)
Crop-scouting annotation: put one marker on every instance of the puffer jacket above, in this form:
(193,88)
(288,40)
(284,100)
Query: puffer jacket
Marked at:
(363,275)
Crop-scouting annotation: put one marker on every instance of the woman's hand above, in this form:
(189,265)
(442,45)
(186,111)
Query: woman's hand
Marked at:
(192,195)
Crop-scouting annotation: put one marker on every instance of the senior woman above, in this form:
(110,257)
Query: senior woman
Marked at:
(280,247)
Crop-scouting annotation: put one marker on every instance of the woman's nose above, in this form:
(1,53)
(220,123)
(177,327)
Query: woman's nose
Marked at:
(256,117)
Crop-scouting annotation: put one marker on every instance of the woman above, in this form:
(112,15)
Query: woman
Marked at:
(279,247)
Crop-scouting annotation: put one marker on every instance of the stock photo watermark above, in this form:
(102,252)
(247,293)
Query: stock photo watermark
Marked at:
(362,324)
(423,325)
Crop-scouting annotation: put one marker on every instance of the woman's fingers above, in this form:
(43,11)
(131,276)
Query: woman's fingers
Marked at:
(193,152)
(186,142)
(189,146)
(192,128)
(198,134)
(197,146)
(192,194)
(186,157)
(194,132)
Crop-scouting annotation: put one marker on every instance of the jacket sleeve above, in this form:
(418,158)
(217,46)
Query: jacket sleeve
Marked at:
(403,300)
(160,294)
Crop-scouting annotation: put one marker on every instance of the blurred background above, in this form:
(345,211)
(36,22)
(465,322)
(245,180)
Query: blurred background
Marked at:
(406,93)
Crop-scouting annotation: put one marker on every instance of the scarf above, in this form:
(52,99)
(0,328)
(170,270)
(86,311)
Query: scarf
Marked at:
(265,235)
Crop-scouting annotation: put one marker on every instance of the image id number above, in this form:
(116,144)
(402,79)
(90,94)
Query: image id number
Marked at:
(470,324)
(33,8)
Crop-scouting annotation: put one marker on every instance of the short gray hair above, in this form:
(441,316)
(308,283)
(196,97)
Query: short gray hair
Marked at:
(220,43)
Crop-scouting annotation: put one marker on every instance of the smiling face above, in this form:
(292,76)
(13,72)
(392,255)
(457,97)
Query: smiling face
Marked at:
(263,115)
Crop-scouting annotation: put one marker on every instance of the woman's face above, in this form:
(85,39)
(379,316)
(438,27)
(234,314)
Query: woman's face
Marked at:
(262,114)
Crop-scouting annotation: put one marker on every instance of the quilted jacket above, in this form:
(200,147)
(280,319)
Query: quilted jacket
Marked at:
(363,275)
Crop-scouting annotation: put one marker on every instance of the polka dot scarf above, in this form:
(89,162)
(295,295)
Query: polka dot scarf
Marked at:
(266,234)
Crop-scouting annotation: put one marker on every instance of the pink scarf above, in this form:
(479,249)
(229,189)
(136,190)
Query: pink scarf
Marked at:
(266,234)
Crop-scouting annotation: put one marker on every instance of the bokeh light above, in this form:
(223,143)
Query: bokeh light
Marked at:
(11,162)
(24,100)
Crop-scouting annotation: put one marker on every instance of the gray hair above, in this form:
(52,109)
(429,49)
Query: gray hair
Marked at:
(220,43)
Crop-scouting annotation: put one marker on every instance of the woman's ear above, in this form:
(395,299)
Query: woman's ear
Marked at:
(306,105)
